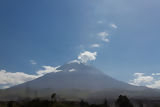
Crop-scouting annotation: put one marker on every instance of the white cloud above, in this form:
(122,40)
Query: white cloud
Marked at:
(100,22)
(103,36)
(155,74)
(72,70)
(140,79)
(74,61)
(33,62)
(95,45)
(4,87)
(105,40)
(138,74)
(113,26)
(87,56)
(48,69)
(84,57)
(8,79)
(155,84)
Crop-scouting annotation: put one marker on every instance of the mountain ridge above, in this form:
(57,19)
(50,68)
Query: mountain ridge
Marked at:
(78,81)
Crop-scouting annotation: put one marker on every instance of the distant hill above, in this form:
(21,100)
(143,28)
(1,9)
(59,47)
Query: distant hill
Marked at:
(77,81)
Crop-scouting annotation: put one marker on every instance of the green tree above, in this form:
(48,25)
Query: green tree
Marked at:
(123,101)
(53,96)
(83,104)
(105,104)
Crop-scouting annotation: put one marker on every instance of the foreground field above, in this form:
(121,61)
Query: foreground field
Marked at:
(122,101)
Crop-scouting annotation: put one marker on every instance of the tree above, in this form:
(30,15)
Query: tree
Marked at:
(140,104)
(53,96)
(106,103)
(83,104)
(123,101)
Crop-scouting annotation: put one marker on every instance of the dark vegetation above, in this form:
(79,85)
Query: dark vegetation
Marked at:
(122,101)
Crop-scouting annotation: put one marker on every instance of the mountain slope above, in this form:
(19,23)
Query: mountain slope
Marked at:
(76,81)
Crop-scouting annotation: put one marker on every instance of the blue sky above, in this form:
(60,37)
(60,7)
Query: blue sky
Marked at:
(52,32)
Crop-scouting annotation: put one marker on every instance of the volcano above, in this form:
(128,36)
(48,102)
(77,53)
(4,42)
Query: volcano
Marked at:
(77,81)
